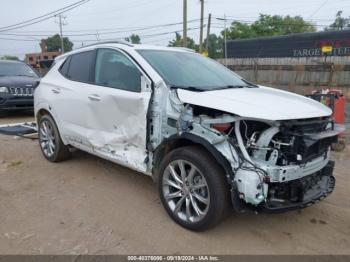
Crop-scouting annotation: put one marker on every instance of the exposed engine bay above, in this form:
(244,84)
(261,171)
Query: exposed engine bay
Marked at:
(294,160)
(278,165)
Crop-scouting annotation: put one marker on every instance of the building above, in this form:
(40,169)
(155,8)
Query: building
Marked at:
(43,60)
(293,45)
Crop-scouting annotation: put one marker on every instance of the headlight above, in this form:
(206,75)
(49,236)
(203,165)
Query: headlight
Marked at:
(4,89)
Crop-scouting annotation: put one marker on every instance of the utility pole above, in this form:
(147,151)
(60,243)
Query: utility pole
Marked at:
(184,37)
(225,41)
(61,35)
(225,38)
(201,28)
(208,34)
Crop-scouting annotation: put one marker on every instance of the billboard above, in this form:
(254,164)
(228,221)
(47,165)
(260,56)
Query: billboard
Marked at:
(332,43)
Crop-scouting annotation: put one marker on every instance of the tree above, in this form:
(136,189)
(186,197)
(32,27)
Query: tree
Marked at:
(215,46)
(177,42)
(340,23)
(268,25)
(135,39)
(53,43)
(10,57)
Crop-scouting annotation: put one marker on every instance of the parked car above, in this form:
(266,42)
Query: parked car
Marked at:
(210,139)
(17,84)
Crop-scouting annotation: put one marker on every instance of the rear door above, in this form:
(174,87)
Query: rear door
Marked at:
(70,101)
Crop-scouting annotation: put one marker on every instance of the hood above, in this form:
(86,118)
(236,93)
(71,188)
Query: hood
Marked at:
(18,81)
(258,103)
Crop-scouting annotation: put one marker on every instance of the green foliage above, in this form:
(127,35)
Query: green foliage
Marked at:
(9,57)
(215,46)
(53,43)
(340,23)
(268,25)
(177,42)
(134,39)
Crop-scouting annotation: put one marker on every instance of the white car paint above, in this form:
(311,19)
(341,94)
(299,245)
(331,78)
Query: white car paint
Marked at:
(107,122)
(113,123)
(257,103)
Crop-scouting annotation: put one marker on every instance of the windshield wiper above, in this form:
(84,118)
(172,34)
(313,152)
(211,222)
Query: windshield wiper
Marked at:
(230,86)
(248,85)
(190,88)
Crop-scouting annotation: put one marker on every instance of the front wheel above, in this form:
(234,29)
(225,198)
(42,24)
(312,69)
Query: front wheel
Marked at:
(192,188)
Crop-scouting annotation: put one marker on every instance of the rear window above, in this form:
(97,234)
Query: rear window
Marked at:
(80,67)
(64,67)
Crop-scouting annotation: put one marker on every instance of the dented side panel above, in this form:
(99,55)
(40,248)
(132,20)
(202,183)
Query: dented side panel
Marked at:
(117,127)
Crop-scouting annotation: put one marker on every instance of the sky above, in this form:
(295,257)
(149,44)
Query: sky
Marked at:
(117,19)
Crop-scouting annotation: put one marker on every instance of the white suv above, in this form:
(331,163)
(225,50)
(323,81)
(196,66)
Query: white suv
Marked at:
(210,139)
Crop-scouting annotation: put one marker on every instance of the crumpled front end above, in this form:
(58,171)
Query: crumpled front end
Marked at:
(283,164)
(270,165)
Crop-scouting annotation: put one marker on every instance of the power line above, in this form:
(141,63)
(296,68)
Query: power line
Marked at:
(318,9)
(279,23)
(44,17)
(143,36)
(132,29)
(14,39)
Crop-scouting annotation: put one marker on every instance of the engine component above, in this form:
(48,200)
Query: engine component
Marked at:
(250,186)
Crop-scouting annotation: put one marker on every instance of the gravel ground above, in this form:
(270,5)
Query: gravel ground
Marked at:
(90,206)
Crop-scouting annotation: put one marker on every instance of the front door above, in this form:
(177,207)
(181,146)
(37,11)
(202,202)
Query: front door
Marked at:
(117,110)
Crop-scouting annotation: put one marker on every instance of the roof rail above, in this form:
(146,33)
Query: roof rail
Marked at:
(108,42)
(97,43)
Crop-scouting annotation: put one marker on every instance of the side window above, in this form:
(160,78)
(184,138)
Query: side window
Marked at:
(80,67)
(113,69)
(64,67)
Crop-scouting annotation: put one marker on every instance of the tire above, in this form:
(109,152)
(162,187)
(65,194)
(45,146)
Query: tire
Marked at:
(50,140)
(206,188)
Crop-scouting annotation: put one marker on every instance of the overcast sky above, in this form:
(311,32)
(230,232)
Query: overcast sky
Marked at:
(99,17)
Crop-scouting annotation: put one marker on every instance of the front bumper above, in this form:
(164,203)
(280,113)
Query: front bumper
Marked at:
(11,103)
(291,195)
(303,192)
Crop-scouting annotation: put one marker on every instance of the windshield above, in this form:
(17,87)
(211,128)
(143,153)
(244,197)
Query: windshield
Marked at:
(16,69)
(191,71)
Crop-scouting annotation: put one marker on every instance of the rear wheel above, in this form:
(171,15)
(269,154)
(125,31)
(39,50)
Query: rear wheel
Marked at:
(192,188)
(50,140)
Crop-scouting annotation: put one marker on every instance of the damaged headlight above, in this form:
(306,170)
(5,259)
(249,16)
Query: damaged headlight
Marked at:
(4,89)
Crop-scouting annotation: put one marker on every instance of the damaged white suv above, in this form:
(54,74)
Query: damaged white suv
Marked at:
(211,140)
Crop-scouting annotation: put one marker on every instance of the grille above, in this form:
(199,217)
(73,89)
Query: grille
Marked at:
(22,91)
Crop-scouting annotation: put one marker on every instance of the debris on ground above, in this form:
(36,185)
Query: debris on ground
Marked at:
(25,130)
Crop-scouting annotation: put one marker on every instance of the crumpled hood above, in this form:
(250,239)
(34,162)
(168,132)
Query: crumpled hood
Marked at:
(258,103)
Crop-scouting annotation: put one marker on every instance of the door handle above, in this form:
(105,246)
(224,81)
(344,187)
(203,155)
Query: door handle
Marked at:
(56,90)
(95,98)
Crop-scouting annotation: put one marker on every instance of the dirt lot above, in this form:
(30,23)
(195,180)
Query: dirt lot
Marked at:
(88,205)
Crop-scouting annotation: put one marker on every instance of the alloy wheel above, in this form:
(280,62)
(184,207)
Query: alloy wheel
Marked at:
(47,138)
(186,191)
